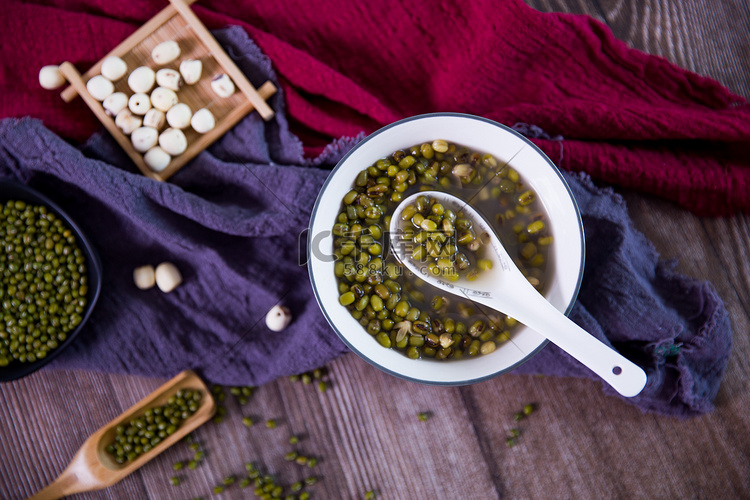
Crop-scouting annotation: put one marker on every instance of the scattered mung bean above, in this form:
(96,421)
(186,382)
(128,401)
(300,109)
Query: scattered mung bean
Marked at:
(515,432)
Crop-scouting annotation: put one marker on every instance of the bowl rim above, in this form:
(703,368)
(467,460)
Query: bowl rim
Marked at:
(94,266)
(340,164)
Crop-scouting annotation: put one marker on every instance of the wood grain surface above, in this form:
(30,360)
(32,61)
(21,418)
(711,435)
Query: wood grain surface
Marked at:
(365,431)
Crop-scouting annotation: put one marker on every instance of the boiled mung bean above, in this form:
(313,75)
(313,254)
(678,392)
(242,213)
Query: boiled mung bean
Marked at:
(430,245)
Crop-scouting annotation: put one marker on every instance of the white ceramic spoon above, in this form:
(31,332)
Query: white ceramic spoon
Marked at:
(504,288)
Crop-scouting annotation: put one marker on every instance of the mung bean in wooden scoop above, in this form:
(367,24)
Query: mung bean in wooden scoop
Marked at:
(93,467)
(504,288)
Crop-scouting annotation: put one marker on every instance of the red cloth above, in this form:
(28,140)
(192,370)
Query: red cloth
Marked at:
(627,118)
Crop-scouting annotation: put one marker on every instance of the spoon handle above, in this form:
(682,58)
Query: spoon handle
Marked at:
(532,309)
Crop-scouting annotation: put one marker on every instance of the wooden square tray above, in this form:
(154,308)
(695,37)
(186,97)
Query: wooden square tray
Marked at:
(176,22)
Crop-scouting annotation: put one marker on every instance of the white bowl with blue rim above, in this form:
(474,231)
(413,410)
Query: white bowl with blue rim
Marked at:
(566,259)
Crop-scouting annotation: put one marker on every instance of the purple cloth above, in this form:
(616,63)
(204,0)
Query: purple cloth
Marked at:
(231,222)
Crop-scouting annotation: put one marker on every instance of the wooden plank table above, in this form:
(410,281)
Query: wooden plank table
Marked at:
(365,431)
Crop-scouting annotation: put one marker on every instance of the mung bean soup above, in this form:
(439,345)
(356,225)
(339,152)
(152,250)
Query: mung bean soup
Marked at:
(396,307)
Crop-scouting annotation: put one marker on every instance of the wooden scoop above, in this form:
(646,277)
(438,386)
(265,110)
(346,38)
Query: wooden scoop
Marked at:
(92,468)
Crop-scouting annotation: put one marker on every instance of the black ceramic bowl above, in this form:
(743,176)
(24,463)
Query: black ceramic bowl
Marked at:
(16,191)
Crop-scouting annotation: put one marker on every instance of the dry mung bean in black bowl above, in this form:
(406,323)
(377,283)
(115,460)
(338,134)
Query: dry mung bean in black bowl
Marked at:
(399,309)
(49,280)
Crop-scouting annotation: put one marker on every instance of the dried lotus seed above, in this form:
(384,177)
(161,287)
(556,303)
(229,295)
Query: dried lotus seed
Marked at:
(50,77)
(144,138)
(278,318)
(139,104)
(169,78)
(179,115)
(168,277)
(157,159)
(127,121)
(191,70)
(114,68)
(154,118)
(163,98)
(141,80)
(115,103)
(440,145)
(202,121)
(173,141)
(166,52)
(99,87)
(144,277)
(222,85)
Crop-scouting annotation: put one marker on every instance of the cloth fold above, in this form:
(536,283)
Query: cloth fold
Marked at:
(231,221)
(629,119)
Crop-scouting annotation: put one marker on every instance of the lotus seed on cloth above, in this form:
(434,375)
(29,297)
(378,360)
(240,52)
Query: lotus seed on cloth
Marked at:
(278,318)
(50,77)
(144,277)
(167,277)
